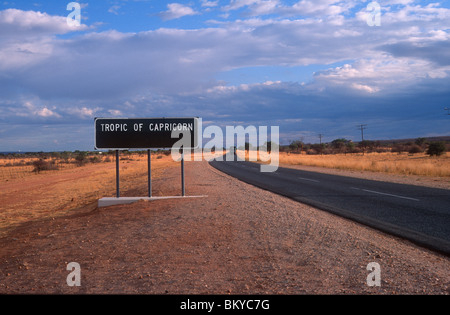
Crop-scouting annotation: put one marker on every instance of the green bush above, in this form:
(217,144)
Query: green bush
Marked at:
(436,148)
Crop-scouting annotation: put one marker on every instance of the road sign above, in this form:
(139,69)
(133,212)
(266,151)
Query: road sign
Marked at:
(145,133)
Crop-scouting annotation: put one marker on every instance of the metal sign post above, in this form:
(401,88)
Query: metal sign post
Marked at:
(183,193)
(149,164)
(117,174)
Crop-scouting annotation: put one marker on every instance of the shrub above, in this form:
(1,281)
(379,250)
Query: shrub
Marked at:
(41,165)
(415,149)
(398,148)
(95,159)
(420,141)
(81,158)
(296,146)
(436,148)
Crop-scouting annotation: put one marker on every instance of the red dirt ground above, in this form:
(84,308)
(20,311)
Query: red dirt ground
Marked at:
(237,240)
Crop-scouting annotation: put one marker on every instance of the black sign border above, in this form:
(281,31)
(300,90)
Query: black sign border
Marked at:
(196,132)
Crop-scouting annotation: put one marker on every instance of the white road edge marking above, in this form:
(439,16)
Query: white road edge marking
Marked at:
(312,180)
(380,193)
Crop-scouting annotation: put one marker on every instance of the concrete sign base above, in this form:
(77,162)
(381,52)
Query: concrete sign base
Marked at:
(111,201)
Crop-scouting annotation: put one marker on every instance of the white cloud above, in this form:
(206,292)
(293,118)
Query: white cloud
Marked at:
(410,13)
(210,4)
(115,112)
(391,2)
(237,4)
(45,112)
(381,73)
(114,9)
(255,7)
(15,22)
(28,37)
(83,112)
(15,54)
(31,111)
(176,10)
(320,7)
(364,88)
(265,7)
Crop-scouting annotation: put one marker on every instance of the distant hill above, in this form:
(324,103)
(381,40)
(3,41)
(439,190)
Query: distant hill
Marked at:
(427,139)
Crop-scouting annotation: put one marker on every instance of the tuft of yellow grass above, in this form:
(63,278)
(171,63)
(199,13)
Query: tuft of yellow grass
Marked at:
(404,164)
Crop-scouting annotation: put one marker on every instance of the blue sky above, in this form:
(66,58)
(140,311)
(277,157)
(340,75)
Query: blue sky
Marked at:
(309,67)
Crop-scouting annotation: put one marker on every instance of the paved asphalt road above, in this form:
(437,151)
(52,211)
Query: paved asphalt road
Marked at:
(419,214)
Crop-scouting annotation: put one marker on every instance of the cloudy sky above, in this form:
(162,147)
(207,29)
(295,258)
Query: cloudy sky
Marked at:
(309,67)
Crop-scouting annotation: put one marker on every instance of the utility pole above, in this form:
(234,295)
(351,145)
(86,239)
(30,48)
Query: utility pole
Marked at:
(320,138)
(320,142)
(362,127)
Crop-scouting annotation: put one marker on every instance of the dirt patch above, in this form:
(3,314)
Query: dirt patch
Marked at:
(56,193)
(239,240)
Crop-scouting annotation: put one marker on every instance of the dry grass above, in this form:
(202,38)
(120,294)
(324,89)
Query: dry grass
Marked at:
(34,196)
(14,168)
(394,163)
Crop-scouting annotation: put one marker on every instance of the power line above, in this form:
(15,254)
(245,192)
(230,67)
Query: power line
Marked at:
(320,138)
(362,127)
